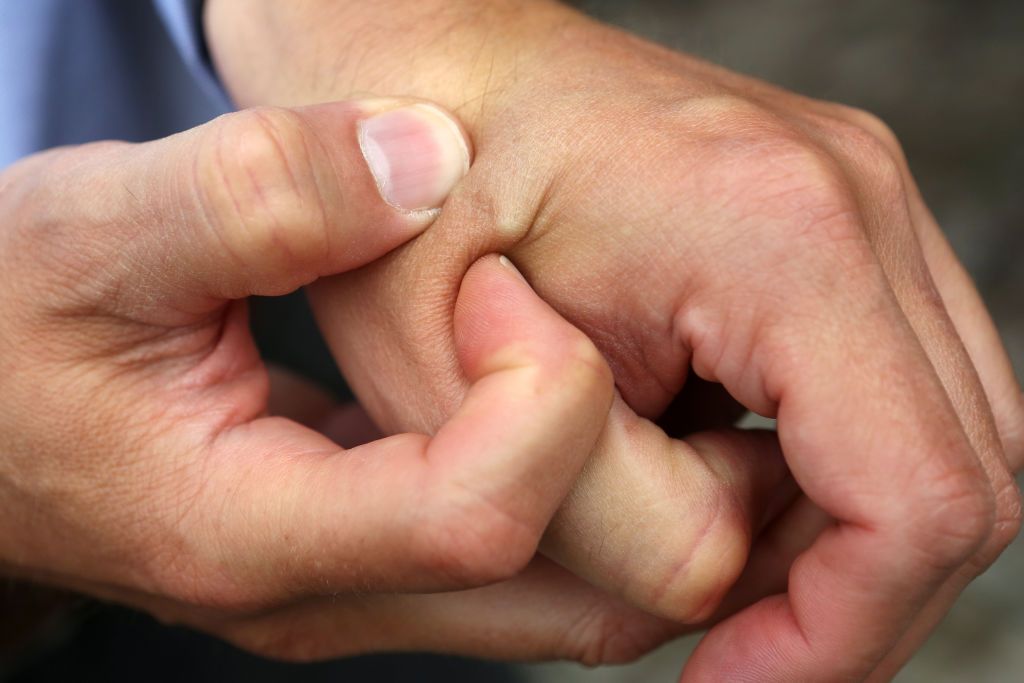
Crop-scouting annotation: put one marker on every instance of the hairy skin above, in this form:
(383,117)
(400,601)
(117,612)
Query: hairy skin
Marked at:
(689,220)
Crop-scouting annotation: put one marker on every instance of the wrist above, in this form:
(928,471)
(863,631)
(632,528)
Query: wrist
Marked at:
(466,55)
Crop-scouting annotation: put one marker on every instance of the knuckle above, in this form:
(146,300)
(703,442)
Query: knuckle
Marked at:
(877,159)
(810,182)
(1008,518)
(603,635)
(56,240)
(874,127)
(475,542)
(1004,530)
(735,115)
(697,575)
(15,193)
(258,185)
(782,181)
(15,178)
(25,199)
(956,519)
(586,373)
(801,209)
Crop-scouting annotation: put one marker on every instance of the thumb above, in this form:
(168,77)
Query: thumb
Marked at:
(462,508)
(266,200)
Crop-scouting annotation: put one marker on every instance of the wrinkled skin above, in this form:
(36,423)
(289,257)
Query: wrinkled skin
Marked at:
(149,456)
(692,222)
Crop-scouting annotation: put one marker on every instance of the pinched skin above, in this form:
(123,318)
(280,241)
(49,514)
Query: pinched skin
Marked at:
(690,221)
(148,456)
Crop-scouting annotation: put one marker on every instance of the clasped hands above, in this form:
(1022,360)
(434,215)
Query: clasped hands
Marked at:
(568,483)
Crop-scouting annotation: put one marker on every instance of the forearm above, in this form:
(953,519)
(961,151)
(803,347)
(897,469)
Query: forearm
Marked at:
(460,53)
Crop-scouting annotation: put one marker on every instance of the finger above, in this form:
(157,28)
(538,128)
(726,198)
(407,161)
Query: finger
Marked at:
(996,374)
(869,153)
(892,212)
(870,436)
(927,278)
(877,151)
(666,524)
(260,201)
(544,613)
(975,327)
(979,375)
(774,552)
(663,564)
(284,512)
(775,549)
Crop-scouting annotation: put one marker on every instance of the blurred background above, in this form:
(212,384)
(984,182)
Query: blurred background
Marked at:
(946,75)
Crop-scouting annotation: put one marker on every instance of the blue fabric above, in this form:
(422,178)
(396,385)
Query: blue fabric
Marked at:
(73,71)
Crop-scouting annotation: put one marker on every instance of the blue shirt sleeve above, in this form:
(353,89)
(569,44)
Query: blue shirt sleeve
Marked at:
(184,22)
(75,71)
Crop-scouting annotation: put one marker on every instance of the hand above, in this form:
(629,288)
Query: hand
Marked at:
(684,216)
(138,461)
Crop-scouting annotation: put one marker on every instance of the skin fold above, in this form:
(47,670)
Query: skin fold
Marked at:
(142,459)
(694,223)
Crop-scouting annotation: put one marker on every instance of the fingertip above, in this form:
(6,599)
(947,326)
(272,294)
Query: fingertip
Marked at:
(495,309)
(501,322)
(505,262)
(763,643)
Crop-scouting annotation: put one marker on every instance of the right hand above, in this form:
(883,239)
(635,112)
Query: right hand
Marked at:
(138,461)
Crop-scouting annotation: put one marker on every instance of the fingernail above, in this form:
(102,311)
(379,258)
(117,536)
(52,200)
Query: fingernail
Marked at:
(416,154)
(504,260)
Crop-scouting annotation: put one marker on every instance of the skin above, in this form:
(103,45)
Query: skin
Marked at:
(694,223)
(150,457)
